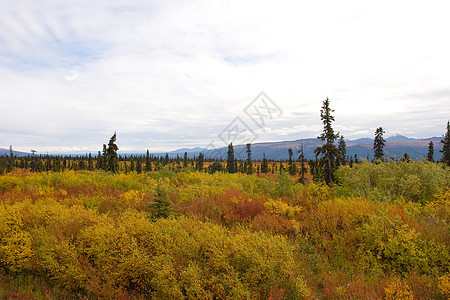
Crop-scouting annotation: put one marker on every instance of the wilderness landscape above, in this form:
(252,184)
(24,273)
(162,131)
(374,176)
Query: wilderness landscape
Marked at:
(224,149)
(192,228)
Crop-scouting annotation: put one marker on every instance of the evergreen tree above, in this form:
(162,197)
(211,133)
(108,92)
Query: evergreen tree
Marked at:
(342,151)
(406,158)
(291,168)
(185,160)
(264,165)
(302,165)
(446,146)
(166,159)
(104,162)
(328,150)
(161,204)
(112,160)
(231,165)
(90,163)
(430,154)
(139,166)
(249,162)
(200,159)
(148,162)
(10,160)
(378,144)
(132,164)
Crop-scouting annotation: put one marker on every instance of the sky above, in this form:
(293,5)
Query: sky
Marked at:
(172,74)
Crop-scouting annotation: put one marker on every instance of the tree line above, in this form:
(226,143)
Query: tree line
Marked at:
(328,157)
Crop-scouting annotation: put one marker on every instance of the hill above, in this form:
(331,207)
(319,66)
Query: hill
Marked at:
(396,146)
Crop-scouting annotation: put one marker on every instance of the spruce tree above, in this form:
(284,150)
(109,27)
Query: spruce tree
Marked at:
(342,151)
(90,163)
(161,204)
(264,165)
(378,144)
(200,159)
(10,160)
(249,159)
(231,165)
(132,164)
(112,160)
(430,154)
(291,162)
(446,146)
(139,166)
(302,165)
(148,162)
(185,160)
(328,151)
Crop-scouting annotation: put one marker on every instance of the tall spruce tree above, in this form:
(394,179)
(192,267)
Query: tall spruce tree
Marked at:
(90,163)
(249,163)
(148,162)
(378,144)
(302,165)
(112,160)
(291,168)
(264,165)
(446,146)
(139,166)
(185,160)
(231,165)
(328,151)
(342,146)
(430,154)
(200,159)
(10,167)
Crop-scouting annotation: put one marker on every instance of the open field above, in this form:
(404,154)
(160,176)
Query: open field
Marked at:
(383,232)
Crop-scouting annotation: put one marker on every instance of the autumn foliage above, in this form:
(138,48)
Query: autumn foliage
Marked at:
(226,236)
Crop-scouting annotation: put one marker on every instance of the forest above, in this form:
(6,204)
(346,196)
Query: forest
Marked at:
(143,227)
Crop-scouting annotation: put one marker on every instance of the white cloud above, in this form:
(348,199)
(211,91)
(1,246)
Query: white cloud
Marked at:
(73,72)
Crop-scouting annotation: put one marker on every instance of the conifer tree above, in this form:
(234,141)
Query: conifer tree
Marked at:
(446,146)
(112,160)
(328,150)
(378,144)
(132,164)
(148,162)
(139,166)
(10,160)
(166,159)
(200,159)
(302,165)
(185,160)
(264,165)
(90,163)
(161,204)
(342,151)
(291,162)
(231,165)
(249,162)
(430,154)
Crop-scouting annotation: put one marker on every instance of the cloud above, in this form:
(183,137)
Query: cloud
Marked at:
(73,72)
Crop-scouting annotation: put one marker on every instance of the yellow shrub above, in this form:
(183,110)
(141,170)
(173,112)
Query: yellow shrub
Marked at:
(281,208)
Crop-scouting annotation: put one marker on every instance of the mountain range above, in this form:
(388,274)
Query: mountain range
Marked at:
(396,145)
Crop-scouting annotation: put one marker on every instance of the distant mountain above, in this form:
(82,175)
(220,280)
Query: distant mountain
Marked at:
(4,151)
(396,145)
(399,138)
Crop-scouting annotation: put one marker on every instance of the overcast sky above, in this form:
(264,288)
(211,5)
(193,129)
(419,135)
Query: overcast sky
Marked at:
(173,74)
